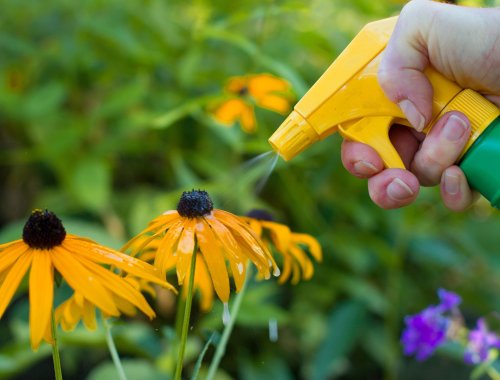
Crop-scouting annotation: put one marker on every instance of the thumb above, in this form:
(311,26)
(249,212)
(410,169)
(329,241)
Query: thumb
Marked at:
(401,69)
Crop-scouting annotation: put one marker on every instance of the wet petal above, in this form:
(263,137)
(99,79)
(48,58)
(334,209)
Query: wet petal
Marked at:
(214,259)
(248,238)
(41,295)
(229,111)
(167,246)
(204,284)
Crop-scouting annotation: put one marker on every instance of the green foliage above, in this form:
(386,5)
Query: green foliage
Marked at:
(104,119)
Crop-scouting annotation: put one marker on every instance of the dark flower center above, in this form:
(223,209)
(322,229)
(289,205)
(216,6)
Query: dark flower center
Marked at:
(194,203)
(43,230)
(243,91)
(260,214)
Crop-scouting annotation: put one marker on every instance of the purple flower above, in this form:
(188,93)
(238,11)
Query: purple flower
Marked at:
(480,342)
(449,300)
(424,332)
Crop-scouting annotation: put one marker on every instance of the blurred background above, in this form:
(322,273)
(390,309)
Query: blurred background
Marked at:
(105,118)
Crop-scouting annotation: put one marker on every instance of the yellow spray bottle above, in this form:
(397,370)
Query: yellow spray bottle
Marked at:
(348,99)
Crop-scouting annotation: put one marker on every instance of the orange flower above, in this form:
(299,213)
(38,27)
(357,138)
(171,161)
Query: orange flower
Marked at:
(265,90)
(215,235)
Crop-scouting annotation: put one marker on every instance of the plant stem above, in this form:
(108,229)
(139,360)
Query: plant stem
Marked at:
(113,351)
(221,346)
(55,350)
(187,315)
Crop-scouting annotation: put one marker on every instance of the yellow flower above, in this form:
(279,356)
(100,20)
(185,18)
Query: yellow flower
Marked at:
(290,245)
(202,280)
(45,246)
(77,308)
(264,90)
(217,235)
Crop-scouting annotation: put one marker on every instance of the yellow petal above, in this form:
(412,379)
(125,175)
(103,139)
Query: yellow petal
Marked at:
(119,286)
(247,240)
(103,255)
(280,234)
(204,284)
(186,241)
(247,119)
(41,295)
(274,103)
(162,222)
(296,273)
(17,242)
(82,281)
(229,111)
(214,259)
(167,246)
(225,237)
(304,262)
(287,269)
(9,256)
(312,244)
(255,226)
(13,278)
(264,84)
(89,319)
(185,250)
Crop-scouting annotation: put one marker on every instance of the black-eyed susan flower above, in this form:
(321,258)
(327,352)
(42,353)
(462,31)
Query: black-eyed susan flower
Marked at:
(77,308)
(217,236)
(292,246)
(45,246)
(263,90)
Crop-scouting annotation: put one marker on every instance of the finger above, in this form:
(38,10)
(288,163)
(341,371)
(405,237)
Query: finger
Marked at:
(400,72)
(406,142)
(455,190)
(393,188)
(441,148)
(360,160)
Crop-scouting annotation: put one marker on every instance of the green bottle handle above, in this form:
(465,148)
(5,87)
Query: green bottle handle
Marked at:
(481,163)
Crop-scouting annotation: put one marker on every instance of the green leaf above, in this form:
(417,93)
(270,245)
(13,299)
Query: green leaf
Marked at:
(345,323)
(91,183)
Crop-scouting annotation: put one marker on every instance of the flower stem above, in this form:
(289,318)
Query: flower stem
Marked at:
(113,351)
(221,346)
(187,315)
(55,350)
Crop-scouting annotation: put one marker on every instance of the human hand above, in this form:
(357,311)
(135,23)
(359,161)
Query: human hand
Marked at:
(462,44)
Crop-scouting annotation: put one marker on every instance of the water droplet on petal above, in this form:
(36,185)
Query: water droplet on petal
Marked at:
(276,272)
(240,268)
(226,317)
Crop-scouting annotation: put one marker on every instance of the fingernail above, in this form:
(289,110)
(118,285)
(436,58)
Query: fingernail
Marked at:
(414,117)
(364,168)
(451,183)
(455,128)
(398,190)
